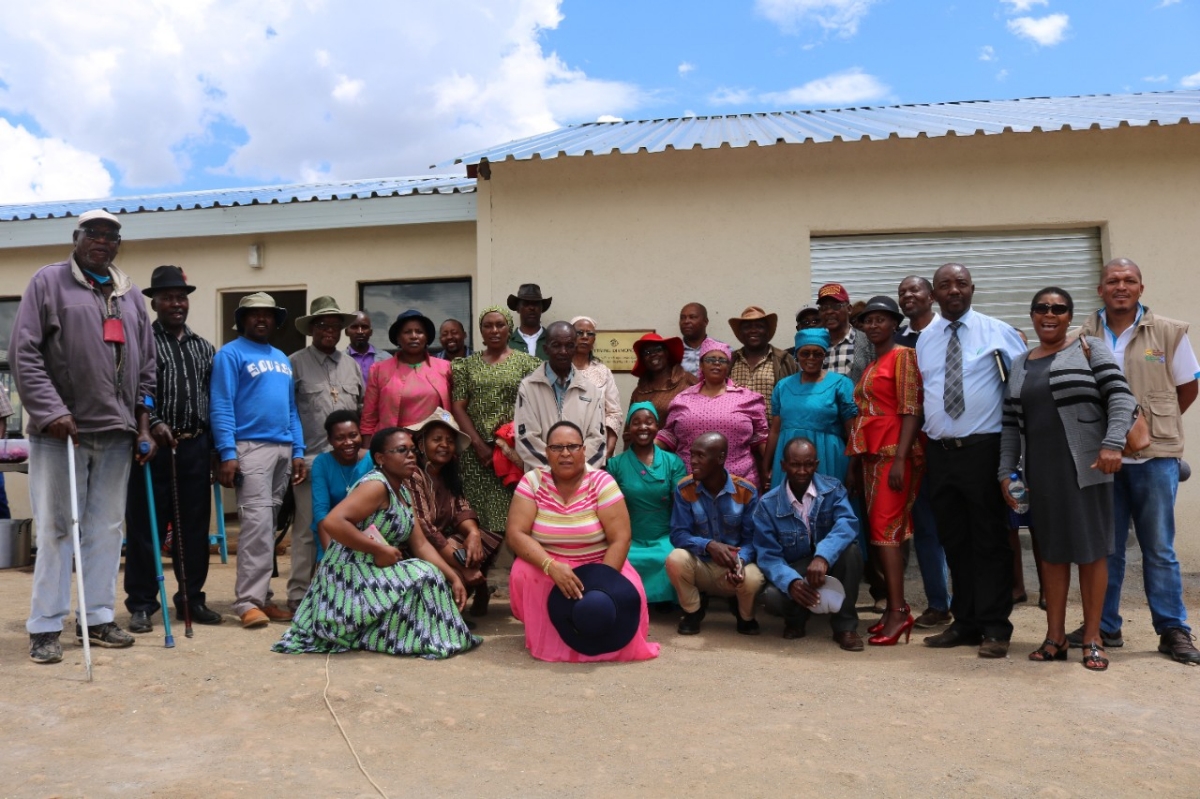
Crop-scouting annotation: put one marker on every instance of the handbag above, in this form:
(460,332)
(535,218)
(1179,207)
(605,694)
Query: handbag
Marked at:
(1138,437)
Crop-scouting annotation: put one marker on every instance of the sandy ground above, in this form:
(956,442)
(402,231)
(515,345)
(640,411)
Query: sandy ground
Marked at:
(717,714)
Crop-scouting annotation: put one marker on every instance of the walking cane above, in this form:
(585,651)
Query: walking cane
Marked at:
(82,612)
(187,600)
(168,640)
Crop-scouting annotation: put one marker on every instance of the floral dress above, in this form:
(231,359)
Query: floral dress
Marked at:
(403,609)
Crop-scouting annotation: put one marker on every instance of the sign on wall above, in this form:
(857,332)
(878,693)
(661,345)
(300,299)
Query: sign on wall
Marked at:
(614,348)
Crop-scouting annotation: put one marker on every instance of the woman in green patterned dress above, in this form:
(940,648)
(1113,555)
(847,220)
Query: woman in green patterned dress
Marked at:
(484,397)
(365,595)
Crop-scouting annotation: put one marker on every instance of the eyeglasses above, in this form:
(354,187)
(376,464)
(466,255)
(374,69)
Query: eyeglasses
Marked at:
(585,333)
(653,349)
(1042,308)
(559,449)
(327,325)
(403,449)
(100,234)
(714,360)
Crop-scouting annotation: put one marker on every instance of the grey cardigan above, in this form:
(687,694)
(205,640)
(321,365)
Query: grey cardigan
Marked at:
(1093,401)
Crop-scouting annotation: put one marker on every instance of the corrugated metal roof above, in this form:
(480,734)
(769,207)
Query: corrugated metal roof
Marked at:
(977,117)
(263,195)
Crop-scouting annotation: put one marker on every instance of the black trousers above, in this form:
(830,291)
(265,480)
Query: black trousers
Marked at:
(972,526)
(193,460)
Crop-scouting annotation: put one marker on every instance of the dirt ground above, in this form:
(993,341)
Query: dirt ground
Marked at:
(716,714)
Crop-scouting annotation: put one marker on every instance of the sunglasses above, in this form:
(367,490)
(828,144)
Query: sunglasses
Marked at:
(713,360)
(559,449)
(585,333)
(403,449)
(1058,308)
(99,234)
(653,349)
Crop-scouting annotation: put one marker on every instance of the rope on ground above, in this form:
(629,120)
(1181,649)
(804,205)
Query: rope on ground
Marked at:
(342,730)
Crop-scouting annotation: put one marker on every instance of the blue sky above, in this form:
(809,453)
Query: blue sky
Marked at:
(148,96)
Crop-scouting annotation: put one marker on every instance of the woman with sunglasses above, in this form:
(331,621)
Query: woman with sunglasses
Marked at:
(717,405)
(814,403)
(595,370)
(1070,403)
(660,373)
(365,594)
(561,518)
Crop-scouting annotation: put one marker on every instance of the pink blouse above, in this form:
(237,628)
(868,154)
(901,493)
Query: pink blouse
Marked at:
(401,395)
(739,414)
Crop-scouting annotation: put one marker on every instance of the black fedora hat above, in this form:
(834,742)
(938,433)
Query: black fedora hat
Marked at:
(529,292)
(605,619)
(167,277)
(882,304)
(411,313)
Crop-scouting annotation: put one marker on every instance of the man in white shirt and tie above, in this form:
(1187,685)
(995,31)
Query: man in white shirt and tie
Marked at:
(964,395)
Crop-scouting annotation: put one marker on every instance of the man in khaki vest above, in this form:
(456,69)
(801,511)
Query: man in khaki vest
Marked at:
(1161,369)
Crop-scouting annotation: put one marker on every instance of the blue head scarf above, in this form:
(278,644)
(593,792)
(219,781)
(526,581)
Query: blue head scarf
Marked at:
(813,337)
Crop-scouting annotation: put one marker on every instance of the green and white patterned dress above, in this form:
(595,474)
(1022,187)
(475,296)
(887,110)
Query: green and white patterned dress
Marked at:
(403,609)
(491,394)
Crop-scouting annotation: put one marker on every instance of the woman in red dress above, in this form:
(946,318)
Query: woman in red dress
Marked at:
(885,443)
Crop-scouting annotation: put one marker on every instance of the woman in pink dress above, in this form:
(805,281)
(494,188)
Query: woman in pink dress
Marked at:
(560,519)
(408,387)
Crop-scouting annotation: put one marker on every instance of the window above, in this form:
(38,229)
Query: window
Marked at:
(438,299)
(8,313)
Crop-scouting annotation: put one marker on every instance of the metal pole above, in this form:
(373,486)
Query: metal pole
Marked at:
(168,640)
(81,613)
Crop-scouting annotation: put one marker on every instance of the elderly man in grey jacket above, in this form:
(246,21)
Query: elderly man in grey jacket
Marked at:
(82,356)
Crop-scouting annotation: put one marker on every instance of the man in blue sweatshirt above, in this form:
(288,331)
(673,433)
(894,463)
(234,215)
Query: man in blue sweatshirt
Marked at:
(256,431)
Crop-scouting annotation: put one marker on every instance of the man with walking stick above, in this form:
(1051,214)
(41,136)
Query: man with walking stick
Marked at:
(82,356)
(179,423)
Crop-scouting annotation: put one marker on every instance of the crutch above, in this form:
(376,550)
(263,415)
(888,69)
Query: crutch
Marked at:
(168,640)
(82,612)
(187,601)
(219,507)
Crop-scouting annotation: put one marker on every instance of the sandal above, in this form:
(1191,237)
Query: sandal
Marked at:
(1092,659)
(1044,655)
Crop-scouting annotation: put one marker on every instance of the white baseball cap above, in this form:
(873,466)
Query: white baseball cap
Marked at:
(98,215)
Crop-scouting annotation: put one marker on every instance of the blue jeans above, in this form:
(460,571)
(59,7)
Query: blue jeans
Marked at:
(1145,493)
(930,557)
(102,463)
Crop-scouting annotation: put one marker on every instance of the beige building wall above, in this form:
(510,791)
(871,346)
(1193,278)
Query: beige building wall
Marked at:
(628,239)
(320,262)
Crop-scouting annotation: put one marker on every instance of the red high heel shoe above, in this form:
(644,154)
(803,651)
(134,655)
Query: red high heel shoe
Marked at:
(877,626)
(892,640)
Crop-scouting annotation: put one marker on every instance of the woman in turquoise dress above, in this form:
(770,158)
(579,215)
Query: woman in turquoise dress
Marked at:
(647,477)
(365,595)
(814,403)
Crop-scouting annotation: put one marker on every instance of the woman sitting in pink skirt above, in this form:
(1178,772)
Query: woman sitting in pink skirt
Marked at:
(561,519)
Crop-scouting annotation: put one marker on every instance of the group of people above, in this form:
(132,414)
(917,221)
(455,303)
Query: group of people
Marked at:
(780,477)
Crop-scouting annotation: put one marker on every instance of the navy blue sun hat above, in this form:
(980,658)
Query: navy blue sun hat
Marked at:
(605,619)
(411,313)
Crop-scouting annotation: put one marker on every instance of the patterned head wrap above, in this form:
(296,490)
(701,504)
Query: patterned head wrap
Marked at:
(813,337)
(641,406)
(711,345)
(500,309)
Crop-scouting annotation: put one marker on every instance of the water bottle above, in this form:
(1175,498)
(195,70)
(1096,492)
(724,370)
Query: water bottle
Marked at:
(1017,490)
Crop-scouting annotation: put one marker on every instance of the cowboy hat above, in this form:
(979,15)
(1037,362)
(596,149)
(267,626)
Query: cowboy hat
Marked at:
(259,299)
(754,313)
(529,292)
(674,350)
(605,619)
(168,277)
(323,306)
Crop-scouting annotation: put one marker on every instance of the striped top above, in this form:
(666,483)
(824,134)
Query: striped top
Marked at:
(184,372)
(570,531)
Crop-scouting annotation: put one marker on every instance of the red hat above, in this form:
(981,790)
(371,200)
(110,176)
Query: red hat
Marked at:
(674,350)
(835,291)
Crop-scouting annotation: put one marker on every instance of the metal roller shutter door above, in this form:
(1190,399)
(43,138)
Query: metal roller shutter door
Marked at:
(1008,268)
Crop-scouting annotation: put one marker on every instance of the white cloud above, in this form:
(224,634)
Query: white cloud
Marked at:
(727,96)
(835,16)
(1166,3)
(1021,6)
(290,91)
(1046,31)
(685,68)
(1002,74)
(608,118)
(987,53)
(1156,79)
(1191,81)
(851,86)
(37,169)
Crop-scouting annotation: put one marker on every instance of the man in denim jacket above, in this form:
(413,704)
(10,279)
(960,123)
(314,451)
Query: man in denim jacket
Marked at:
(805,529)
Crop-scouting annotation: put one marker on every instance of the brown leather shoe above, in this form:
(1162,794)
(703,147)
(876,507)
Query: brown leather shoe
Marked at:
(254,618)
(993,648)
(849,640)
(276,613)
(933,618)
(1177,642)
